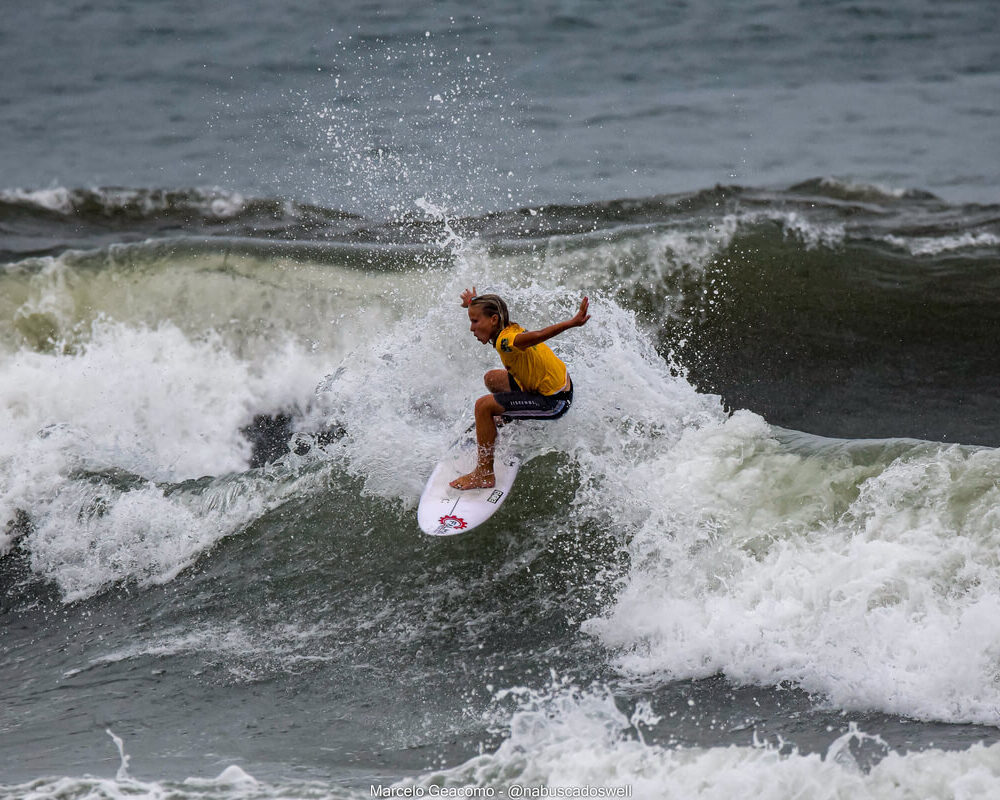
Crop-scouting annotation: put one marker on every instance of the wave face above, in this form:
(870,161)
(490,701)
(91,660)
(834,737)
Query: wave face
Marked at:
(770,516)
(834,308)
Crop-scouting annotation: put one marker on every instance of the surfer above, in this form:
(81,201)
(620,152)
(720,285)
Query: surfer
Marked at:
(534,383)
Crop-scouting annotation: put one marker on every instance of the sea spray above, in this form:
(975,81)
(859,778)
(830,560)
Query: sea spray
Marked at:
(565,741)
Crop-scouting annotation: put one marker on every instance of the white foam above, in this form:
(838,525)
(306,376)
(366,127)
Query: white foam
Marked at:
(575,741)
(864,188)
(870,579)
(210,202)
(936,245)
(57,198)
(812,234)
(232,777)
(232,783)
(152,402)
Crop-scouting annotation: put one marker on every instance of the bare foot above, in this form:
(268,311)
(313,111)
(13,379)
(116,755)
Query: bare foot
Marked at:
(475,480)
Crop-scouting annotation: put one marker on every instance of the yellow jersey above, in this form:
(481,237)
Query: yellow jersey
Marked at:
(536,369)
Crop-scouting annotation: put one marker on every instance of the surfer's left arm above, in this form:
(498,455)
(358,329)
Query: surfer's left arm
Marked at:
(527,339)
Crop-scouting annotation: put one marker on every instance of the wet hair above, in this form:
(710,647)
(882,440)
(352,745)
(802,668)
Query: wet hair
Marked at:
(492,304)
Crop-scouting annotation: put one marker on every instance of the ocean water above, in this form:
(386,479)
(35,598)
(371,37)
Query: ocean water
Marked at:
(761,555)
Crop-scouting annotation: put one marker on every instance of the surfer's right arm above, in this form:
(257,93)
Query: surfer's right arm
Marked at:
(468,297)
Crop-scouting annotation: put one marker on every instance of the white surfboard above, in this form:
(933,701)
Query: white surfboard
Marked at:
(445,511)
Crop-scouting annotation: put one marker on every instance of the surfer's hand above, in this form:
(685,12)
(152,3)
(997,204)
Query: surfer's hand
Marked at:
(581,316)
(468,296)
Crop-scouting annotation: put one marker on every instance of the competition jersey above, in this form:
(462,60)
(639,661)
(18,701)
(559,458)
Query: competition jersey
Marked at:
(536,369)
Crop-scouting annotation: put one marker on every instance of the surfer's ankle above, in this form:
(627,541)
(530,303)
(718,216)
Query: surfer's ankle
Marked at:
(484,472)
(476,479)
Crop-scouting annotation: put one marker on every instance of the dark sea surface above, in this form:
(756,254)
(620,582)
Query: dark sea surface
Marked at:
(759,558)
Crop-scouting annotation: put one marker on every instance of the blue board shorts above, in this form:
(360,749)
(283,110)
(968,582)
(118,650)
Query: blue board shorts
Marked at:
(518,404)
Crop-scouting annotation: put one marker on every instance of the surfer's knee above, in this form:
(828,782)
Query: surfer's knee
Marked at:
(496,380)
(482,403)
(487,405)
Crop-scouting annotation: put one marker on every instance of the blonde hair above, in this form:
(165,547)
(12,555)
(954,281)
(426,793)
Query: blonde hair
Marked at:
(492,304)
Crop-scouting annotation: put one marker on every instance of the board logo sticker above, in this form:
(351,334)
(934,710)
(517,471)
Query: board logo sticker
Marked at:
(453,522)
(495,497)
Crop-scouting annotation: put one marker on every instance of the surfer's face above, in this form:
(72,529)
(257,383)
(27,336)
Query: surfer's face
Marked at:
(483,326)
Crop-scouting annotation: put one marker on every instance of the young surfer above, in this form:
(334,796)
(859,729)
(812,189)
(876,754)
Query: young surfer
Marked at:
(535,383)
